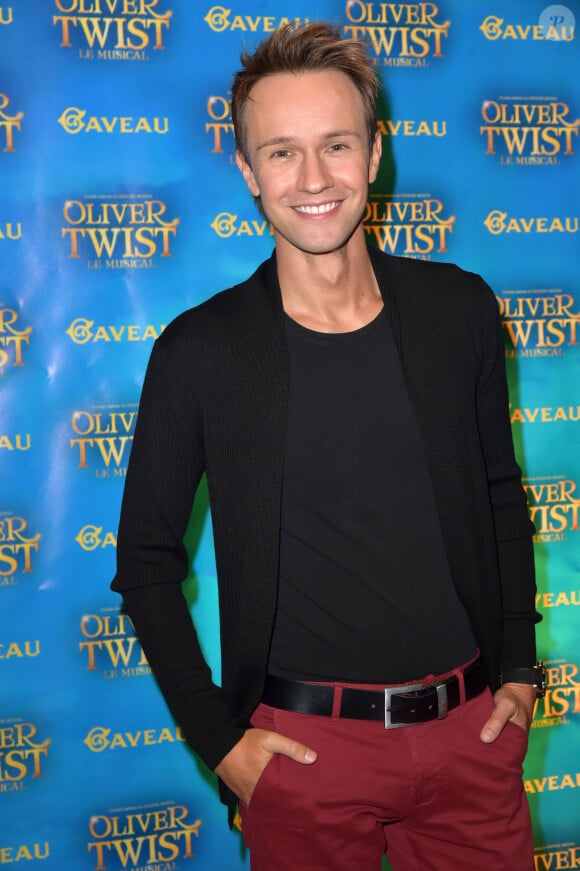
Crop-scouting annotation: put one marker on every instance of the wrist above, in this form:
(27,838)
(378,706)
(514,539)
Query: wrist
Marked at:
(534,676)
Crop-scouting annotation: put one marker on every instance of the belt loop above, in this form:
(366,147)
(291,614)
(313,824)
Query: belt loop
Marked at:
(336,702)
(461,679)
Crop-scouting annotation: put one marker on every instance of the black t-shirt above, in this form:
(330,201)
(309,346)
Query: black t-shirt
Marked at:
(365,592)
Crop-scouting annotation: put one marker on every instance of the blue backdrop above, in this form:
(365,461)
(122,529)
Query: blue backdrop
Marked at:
(121,206)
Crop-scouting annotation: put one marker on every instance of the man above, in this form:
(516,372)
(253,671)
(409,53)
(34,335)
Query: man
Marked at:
(372,543)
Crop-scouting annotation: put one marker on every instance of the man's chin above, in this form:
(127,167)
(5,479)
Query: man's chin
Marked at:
(314,247)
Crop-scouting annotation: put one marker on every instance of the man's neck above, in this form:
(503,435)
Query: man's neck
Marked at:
(331,293)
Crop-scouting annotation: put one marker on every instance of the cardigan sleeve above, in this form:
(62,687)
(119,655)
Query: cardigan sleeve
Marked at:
(513,528)
(165,467)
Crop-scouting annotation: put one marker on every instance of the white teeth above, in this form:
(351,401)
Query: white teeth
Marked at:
(317,210)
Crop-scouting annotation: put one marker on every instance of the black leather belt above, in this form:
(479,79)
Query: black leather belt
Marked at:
(396,705)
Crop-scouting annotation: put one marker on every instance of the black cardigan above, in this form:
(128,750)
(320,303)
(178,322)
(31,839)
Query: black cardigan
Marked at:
(214,401)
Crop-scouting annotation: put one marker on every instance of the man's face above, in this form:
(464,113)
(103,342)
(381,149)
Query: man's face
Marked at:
(309,158)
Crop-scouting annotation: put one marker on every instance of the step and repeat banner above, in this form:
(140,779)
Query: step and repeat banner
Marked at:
(120,207)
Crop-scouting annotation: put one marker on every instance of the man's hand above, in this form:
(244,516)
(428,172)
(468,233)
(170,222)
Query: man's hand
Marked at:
(514,702)
(243,765)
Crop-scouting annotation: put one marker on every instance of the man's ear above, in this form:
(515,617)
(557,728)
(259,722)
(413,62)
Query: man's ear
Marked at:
(375,157)
(246,171)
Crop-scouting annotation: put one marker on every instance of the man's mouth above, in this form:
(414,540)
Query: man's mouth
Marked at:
(318,210)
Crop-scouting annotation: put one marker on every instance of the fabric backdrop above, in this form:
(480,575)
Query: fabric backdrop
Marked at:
(121,206)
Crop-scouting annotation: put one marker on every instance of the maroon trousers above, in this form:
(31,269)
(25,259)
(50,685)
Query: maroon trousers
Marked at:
(432,796)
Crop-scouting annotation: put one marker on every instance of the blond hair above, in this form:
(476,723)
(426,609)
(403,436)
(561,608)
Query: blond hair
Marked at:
(296,49)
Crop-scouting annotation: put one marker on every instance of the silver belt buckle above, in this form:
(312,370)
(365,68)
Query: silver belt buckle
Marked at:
(442,702)
(397,691)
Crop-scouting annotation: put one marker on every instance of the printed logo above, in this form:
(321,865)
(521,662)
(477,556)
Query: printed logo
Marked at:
(6,15)
(153,836)
(220,126)
(545,414)
(100,738)
(74,121)
(9,124)
(528,131)
(11,230)
(15,442)
(538,323)
(226,225)
(399,34)
(82,331)
(554,27)
(562,697)
(557,600)
(559,18)
(19,649)
(111,646)
(552,783)
(17,547)
(104,435)
(553,506)
(390,127)
(220,19)
(12,339)
(498,222)
(413,225)
(22,754)
(25,851)
(554,857)
(111,29)
(118,231)
(92,538)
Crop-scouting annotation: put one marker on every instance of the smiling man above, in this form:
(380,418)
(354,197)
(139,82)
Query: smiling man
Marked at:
(372,542)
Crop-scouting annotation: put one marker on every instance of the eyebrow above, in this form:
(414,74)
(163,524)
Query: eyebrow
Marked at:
(288,140)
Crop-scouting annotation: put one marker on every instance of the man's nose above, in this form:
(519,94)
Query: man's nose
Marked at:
(314,175)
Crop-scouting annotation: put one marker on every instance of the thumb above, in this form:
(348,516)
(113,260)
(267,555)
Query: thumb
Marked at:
(492,729)
(276,743)
(503,711)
